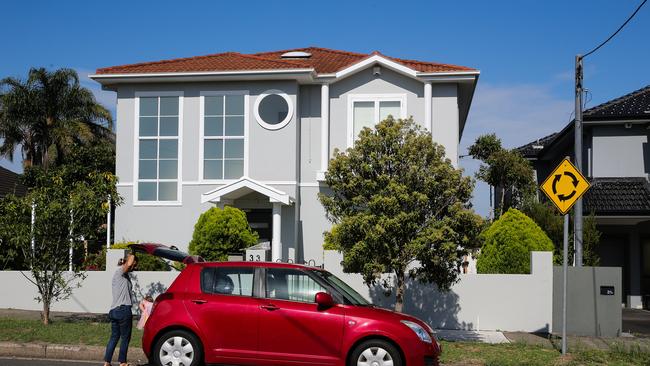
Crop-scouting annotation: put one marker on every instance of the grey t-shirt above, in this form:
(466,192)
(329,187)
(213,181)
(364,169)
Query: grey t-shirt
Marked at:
(121,288)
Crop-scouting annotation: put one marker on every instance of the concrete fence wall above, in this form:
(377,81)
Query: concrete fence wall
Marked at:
(522,302)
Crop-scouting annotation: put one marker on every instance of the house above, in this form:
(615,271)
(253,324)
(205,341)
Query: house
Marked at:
(10,183)
(616,159)
(255,131)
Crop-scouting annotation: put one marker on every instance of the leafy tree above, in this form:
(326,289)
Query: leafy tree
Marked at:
(396,201)
(508,243)
(48,113)
(504,169)
(219,232)
(64,215)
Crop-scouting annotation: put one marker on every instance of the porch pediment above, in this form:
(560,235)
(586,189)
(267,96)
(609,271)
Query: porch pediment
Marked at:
(242,187)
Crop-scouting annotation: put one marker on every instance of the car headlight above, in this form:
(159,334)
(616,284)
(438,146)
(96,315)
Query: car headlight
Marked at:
(421,333)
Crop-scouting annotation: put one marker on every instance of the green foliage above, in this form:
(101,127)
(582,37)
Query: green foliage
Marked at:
(505,169)
(395,199)
(329,244)
(219,232)
(547,217)
(146,262)
(508,243)
(47,114)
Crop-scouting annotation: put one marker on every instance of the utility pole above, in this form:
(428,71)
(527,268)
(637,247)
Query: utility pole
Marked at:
(577,211)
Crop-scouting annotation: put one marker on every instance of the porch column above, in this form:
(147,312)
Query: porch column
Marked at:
(276,242)
(634,300)
(428,121)
(324,129)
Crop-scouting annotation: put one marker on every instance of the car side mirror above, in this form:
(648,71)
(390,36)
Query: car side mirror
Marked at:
(324,300)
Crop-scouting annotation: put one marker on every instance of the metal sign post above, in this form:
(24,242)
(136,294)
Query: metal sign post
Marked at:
(565,254)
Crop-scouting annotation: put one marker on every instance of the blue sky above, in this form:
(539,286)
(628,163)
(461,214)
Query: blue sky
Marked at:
(524,49)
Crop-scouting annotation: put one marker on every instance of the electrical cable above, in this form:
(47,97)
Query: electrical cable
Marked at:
(618,30)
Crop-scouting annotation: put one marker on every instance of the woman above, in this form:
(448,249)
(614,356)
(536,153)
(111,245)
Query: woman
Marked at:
(120,314)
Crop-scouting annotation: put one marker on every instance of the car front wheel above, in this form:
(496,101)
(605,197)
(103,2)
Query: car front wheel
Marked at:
(177,348)
(375,352)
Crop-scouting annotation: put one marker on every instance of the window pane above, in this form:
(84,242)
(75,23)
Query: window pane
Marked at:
(291,285)
(213,126)
(364,116)
(213,169)
(235,126)
(392,108)
(146,191)
(233,169)
(213,149)
(169,106)
(234,104)
(228,281)
(167,191)
(148,126)
(273,109)
(148,106)
(148,149)
(213,106)
(168,169)
(168,126)
(147,169)
(234,149)
(169,149)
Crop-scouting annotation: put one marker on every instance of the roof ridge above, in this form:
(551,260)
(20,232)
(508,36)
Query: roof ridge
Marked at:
(290,62)
(349,53)
(617,100)
(428,62)
(167,60)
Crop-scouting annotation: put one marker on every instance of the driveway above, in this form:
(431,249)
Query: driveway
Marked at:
(636,321)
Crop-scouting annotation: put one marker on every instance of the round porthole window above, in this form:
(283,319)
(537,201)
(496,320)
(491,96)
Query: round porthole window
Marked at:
(273,109)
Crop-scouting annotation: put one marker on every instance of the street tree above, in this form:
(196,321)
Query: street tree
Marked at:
(503,169)
(46,114)
(399,206)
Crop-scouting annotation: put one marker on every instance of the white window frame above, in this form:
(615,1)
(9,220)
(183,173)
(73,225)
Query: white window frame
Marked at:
(136,149)
(375,98)
(213,93)
(286,119)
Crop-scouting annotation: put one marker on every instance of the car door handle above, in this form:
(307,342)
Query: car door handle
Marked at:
(199,301)
(269,307)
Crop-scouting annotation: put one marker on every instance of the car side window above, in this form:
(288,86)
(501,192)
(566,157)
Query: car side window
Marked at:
(291,284)
(227,280)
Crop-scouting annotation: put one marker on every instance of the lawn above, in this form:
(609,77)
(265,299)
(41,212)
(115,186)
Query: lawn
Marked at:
(96,332)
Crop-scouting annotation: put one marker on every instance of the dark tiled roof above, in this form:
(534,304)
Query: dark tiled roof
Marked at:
(10,183)
(531,149)
(618,196)
(322,60)
(630,106)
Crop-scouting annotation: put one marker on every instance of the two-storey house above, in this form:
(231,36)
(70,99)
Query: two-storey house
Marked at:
(616,159)
(255,131)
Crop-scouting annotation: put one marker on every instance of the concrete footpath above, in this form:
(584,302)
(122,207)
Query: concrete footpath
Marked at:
(64,352)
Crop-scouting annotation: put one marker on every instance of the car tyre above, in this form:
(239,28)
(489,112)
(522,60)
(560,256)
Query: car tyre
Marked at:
(177,348)
(375,352)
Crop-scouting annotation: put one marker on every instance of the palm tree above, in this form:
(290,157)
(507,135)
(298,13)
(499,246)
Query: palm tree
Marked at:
(47,114)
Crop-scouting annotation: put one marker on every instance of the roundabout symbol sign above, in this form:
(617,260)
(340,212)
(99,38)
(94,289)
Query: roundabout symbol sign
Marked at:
(564,186)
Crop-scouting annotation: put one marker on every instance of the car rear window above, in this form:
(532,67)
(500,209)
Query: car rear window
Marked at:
(227,280)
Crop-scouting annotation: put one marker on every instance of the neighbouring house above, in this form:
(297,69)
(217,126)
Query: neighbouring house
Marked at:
(10,183)
(616,159)
(255,131)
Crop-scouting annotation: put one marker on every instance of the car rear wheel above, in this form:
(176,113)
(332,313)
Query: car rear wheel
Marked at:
(375,352)
(177,348)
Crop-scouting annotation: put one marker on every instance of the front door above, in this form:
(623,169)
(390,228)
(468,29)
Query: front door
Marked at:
(260,220)
(227,313)
(292,327)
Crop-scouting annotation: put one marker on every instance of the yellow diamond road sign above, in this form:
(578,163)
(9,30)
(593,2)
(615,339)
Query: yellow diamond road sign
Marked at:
(564,186)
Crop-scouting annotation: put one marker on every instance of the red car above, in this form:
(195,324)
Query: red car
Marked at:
(261,313)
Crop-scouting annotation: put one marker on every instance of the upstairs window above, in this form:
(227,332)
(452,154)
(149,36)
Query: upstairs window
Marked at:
(367,111)
(223,136)
(158,149)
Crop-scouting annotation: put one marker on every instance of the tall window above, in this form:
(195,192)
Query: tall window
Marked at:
(158,149)
(368,111)
(223,136)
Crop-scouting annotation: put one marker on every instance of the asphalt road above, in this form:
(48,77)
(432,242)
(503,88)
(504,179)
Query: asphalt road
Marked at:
(33,362)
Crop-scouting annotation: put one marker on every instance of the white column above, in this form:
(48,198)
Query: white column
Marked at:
(108,224)
(324,129)
(428,121)
(276,242)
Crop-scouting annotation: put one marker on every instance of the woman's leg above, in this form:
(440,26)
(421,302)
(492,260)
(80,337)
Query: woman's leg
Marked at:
(126,324)
(112,341)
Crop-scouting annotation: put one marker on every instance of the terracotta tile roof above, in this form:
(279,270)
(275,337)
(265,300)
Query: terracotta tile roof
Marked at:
(322,60)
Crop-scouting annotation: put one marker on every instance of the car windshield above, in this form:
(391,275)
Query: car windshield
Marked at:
(350,294)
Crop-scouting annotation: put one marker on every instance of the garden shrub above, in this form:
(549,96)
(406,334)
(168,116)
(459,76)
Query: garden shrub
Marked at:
(507,244)
(219,232)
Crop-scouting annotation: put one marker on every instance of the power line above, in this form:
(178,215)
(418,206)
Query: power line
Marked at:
(618,30)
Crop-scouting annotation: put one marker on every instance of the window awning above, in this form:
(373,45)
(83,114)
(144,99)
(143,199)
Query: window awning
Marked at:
(242,187)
